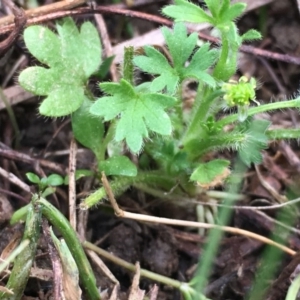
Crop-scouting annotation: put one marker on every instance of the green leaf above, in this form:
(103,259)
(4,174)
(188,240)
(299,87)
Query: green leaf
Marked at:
(118,165)
(88,129)
(43,44)
(213,6)
(104,68)
(55,180)
(171,76)
(200,62)
(256,141)
(48,191)
(180,52)
(139,112)
(44,183)
(79,173)
(156,63)
(251,35)
(183,10)
(70,269)
(62,101)
(172,162)
(33,178)
(231,13)
(211,174)
(72,55)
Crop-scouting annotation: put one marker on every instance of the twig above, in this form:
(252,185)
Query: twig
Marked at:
(123,263)
(20,21)
(279,198)
(55,260)
(156,19)
(15,180)
(14,155)
(99,262)
(107,45)
(274,206)
(118,211)
(145,218)
(72,183)
(43,10)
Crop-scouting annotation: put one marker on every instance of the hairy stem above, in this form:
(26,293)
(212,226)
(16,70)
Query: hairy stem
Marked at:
(23,263)
(218,72)
(203,106)
(121,184)
(259,109)
(128,64)
(282,134)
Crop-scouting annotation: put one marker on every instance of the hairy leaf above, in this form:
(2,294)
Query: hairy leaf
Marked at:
(118,165)
(72,57)
(256,140)
(170,76)
(212,173)
(139,112)
(186,11)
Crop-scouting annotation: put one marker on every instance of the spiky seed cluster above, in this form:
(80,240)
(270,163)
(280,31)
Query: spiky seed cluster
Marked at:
(239,93)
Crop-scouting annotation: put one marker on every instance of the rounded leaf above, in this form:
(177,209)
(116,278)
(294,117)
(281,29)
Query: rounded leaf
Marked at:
(33,177)
(88,129)
(92,48)
(62,102)
(38,80)
(43,44)
(118,165)
(55,180)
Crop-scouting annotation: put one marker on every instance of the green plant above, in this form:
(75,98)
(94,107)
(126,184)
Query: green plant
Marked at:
(72,250)
(149,119)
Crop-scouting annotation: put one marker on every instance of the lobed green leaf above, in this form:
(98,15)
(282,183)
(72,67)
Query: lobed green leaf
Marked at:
(211,173)
(138,111)
(62,101)
(256,141)
(43,44)
(183,10)
(72,55)
(230,13)
(179,43)
(181,47)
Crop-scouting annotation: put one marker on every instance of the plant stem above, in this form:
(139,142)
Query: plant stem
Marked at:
(121,184)
(128,64)
(86,274)
(259,109)
(282,134)
(216,234)
(20,248)
(203,105)
(107,139)
(225,140)
(218,72)
(160,194)
(123,263)
(12,117)
(22,265)
(19,215)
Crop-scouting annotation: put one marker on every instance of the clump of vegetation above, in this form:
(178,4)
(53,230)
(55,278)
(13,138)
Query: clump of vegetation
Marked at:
(149,120)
